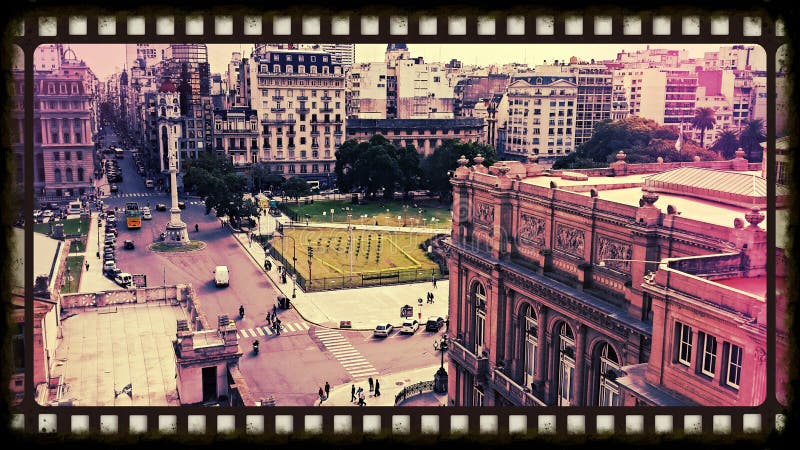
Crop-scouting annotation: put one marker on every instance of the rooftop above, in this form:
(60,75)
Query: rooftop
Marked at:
(752,285)
(45,256)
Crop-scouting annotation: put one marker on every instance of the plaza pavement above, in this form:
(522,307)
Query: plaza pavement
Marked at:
(391,385)
(363,307)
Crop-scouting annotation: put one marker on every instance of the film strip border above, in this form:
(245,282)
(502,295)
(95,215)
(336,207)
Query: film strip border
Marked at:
(401,421)
(511,28)
(546,28)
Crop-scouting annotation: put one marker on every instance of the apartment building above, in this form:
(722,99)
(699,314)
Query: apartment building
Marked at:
(300,101)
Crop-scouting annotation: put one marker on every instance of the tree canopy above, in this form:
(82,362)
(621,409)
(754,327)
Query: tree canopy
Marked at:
(642,140)
(751,138)
(375,165)
(703,120)
(295,188)
(437,165)
(213,178)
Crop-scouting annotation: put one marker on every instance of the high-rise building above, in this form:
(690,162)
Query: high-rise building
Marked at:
(342,54)
(300,100)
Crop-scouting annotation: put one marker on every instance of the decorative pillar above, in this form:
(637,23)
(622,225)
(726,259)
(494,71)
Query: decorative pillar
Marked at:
(543,347)
(578,383)
(509,335)
(176,228)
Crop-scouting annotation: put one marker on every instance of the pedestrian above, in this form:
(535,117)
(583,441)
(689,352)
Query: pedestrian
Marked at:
(87,266)
(321,396)
(268,317)
(434,282)
(196,228)
(274,310)
(377,388)
(361,401)
(327,389)
(432,300)
(352,393)
(371,384)
(278,326)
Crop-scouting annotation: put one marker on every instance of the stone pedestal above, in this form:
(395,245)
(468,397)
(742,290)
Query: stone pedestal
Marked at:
(440,381)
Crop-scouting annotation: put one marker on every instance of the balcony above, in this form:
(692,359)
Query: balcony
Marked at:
(315,132)
(277,98)
(326,110)
(277,110)
(513,391)
(325,99)
(302,110)
(337,132)
(290,133)
(276,121)
(465,358)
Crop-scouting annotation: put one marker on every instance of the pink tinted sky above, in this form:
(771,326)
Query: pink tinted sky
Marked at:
(105,59)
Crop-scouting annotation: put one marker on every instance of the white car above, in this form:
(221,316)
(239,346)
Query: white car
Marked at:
(383,330)
(147,215)
(410,326)
(47,213)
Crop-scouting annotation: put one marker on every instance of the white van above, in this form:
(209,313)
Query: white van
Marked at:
(124,279)
(74,207)
(221,276)
(148,184)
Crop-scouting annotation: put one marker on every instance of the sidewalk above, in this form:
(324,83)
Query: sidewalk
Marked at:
(93,279)
(289,224)
(391,385)
(363,307)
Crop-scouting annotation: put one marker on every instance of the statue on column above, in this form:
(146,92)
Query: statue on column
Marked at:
(176,229)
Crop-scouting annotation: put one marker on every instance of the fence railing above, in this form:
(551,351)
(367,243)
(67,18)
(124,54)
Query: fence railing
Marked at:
(412,390)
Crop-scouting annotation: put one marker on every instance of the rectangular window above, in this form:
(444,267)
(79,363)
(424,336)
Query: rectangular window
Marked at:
(683,336)
(709,355)
(56,156)
(79,155)
(734,364)
(67,156)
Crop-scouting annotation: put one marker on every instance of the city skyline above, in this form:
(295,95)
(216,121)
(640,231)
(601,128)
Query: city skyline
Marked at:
(111,57)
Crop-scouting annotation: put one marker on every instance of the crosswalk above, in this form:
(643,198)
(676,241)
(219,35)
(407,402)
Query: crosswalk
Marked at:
(286,328)
(351,359)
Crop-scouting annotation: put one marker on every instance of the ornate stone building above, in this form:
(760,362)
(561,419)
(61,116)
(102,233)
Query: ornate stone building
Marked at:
(633,284)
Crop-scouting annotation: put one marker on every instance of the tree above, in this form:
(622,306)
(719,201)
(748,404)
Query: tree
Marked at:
(751,138)
(295,188)
(703,120)
(726,144)
(437,166)
(409,162)
(213,178)
(371,166)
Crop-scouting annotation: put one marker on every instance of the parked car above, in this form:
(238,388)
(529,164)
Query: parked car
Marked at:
(48,213)
(434,323)
(112,273)
(129,245)
(383,330)
(124,279)
(109,265)
(410,326)
(112,230)
(111,236)
(161,207)
(182,205)
(109,257)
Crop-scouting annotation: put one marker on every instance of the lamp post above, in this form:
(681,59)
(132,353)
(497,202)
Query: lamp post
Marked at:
(294,261)
(350,245)
(310,255)
(440,378)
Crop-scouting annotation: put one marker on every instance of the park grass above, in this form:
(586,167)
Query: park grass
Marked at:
(375,210)
(169,248)
(398,251)
(71,226)
(78,245)
(75,265)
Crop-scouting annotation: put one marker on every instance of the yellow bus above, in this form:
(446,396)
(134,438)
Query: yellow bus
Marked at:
(133,216)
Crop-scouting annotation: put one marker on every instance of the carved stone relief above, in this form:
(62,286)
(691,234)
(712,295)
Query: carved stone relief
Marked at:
(569,239)
(484,213)
(609,249)
(531,230)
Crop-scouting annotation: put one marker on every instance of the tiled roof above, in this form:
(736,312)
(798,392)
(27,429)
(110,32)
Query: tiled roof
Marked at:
(709,180)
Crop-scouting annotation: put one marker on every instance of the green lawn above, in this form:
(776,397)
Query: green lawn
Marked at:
(169,248)
(72,279)
(71,226)
(78,245)
(374,210)
(372,251)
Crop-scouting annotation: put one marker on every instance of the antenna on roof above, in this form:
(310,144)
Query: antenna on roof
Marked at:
(754,190)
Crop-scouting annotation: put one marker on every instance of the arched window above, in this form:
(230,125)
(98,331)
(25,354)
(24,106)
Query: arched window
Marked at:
(530,331)
(163,112)
(608,389)
(479,300)
(80,173)
(566,364)
(69,174)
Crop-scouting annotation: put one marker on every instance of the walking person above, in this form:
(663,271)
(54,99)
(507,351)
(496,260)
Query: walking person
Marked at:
(377,388)
(361,401)
(352,393)
(434,282)
(371,384)
(321,396)
(268,317)
(87,266)
(327,389)
(278,326)
(274,310)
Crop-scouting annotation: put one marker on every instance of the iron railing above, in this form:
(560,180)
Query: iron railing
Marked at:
(412,390)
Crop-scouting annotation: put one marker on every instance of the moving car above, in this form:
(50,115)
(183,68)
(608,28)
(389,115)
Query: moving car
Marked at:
(410,326)
(383,330)
(434,323)
(124,279)
(114,188)
(149,184)
(221,276)
(181,205)
(146,215)
(128,245)
(161,207)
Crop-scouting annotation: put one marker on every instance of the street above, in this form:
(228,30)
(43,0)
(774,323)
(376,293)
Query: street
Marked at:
(290,367)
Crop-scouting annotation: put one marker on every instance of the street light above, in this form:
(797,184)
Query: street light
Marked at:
(294,260)
(440,378)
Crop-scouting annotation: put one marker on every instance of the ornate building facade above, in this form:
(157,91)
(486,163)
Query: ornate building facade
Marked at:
(633,284)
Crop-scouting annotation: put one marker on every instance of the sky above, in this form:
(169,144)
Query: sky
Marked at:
(105,59)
